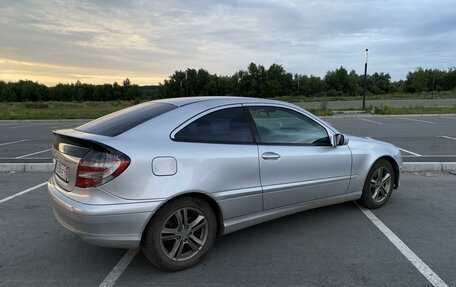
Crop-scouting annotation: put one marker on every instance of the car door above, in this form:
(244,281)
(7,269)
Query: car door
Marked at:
(297,161)
(223,160)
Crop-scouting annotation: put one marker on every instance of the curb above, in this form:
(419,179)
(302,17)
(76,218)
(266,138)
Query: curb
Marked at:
(407,166)
(26,167)
(429,166)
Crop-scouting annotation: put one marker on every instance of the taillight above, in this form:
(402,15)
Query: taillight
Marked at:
(99,167)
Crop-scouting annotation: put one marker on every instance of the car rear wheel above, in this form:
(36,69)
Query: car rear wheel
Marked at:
(180,233)
(379,185)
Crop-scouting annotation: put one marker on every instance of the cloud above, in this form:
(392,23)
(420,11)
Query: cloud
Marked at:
(11,70)
(158,37)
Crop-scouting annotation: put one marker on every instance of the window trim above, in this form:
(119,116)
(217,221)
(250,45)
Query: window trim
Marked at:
(257,134)
(206,112)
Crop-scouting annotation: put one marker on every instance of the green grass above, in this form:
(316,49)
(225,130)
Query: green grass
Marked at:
(388,110)
(370,97)
(417,109)
(92,110)
(59,110)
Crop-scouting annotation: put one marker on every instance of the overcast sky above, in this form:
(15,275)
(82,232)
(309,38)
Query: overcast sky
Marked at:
(53,41)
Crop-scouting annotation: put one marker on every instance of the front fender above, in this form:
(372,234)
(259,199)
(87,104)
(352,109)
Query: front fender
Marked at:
(365,152)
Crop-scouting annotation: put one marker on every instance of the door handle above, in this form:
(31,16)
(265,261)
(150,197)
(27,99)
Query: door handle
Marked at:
(270,156)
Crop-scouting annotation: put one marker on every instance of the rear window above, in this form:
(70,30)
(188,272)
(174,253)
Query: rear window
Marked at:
(121,121)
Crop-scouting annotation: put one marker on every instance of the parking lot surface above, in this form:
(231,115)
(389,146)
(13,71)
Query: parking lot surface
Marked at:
(420,138)
(331,246)
(22,141)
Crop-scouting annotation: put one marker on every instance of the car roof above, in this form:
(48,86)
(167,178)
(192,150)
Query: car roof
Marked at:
(219,99)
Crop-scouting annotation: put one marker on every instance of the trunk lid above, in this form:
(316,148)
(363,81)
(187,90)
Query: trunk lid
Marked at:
(69,147)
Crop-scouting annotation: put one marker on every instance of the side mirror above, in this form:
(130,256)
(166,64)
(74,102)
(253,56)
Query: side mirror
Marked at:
(340,139)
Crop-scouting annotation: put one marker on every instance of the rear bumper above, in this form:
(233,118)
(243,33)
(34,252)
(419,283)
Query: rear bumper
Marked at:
(107,225)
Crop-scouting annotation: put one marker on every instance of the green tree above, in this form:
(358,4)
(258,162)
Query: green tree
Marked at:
(279,82)
(340,83)
(7,92)
(379,83)
(436,80)
(254,81)
(416,81)
(133,93)
(316,86)
(118,92)
(302,84)
(126,83)
(3,95)
(451,79)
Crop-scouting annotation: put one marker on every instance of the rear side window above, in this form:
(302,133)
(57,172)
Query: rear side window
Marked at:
(223,126)
(121,121)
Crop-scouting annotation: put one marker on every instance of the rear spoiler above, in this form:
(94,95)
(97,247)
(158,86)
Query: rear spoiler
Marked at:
(76,143)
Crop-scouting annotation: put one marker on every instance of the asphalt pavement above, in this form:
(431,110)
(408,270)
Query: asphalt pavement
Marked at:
(330,246)
(421,138)
(30,141)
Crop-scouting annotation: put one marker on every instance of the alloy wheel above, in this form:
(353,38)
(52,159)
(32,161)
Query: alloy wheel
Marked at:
(183,234)
(380,185)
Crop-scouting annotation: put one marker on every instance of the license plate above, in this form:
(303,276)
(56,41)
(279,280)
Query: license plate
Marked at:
(61,171)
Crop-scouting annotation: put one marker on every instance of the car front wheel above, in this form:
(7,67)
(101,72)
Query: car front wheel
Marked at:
(379,185)
(180,233)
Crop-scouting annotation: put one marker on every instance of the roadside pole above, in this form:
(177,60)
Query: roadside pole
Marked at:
(186,83)
(365,82)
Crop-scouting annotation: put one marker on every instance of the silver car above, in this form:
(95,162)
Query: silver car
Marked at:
(172,175)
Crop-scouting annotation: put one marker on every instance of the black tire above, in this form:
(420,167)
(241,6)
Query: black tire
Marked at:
(159,245)
(369,197)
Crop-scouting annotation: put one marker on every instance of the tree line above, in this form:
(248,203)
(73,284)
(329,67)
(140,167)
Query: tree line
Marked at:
(25,90)
(258,81)
(255,81)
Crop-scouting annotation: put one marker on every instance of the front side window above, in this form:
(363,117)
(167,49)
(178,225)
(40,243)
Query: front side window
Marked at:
(222,126)
(284,126)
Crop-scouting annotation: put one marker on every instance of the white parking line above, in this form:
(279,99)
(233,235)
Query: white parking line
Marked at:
(30,154)
(13,142)
(22,192)
(427,272)
(447,137)
(415,120)
(404,150)
(410,152)
(451,118)
(361,119)
(120,267)
(30,125)
(63,126)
